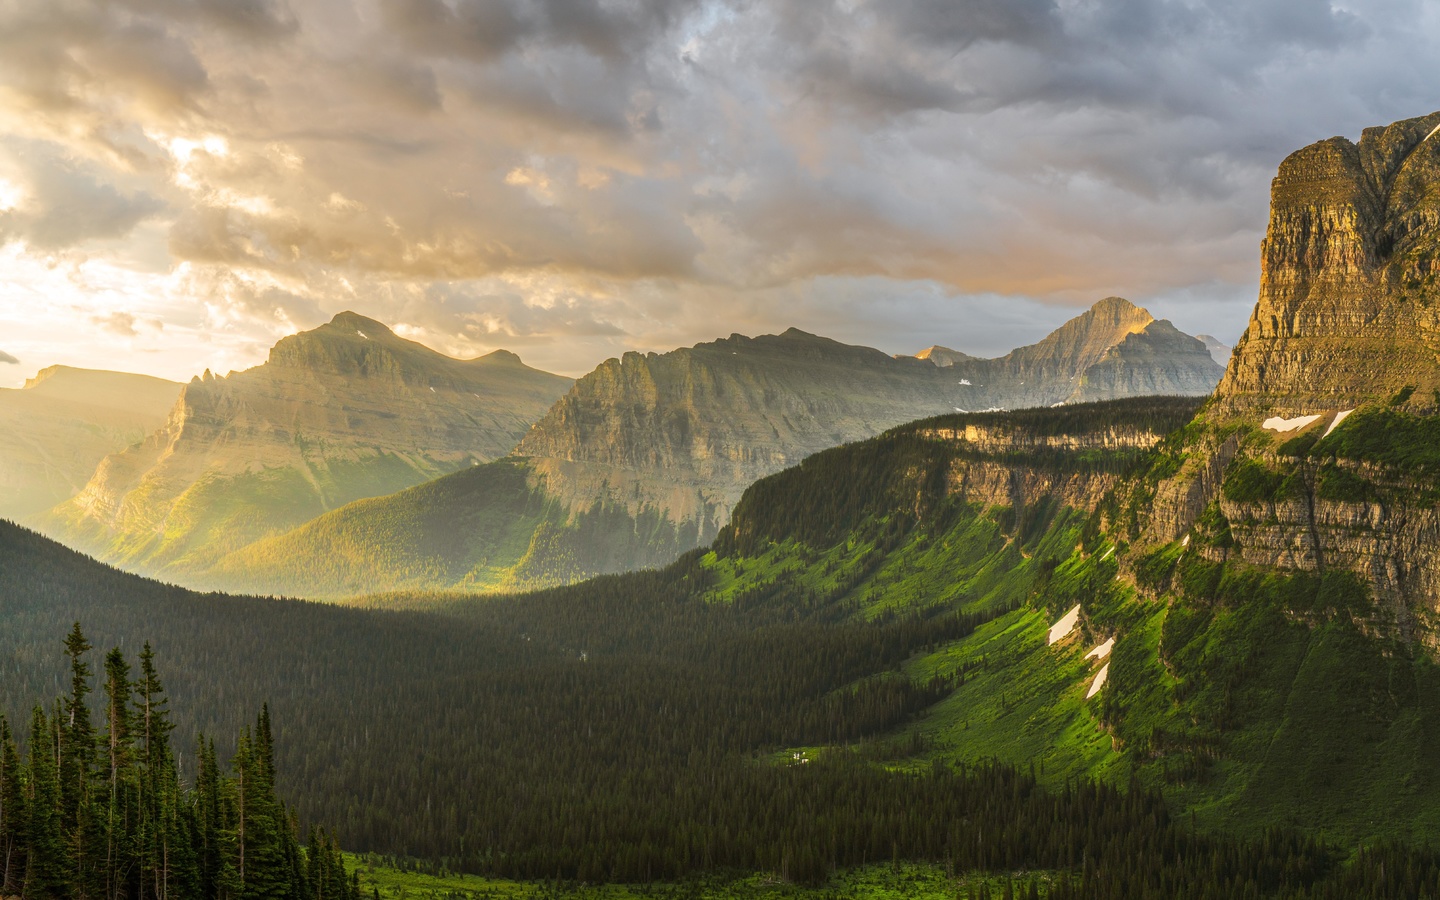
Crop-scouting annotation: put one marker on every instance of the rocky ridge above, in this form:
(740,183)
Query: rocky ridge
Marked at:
(345,411)
(687,431)
(1347,319)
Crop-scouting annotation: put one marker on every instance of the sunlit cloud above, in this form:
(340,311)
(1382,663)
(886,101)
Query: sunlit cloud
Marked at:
(574,179)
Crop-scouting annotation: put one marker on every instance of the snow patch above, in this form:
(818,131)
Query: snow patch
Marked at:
(1186,542)
(362,334)
(1340,416)
(1099,681)
(1275,423)
(1103,650)
(959,410)
(1431,134)
(964,381)
(432,390)
(1065,625)
(1108,553)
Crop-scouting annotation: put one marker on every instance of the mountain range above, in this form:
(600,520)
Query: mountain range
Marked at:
(645,457)
(1212,619)
(346,411)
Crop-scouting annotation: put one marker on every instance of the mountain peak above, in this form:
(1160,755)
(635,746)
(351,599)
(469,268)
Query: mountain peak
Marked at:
(503,356)
(943,356)
(353,321)
(1116,307)
(1347,275)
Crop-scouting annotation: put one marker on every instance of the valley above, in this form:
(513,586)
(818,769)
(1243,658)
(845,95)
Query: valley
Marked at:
(1144,631)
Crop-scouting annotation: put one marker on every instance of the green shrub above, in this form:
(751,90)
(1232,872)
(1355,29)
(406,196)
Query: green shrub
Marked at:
(1251,481)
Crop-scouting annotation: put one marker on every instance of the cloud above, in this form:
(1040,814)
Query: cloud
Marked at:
(594,175)
(117,323)
(62,204)
(7,358)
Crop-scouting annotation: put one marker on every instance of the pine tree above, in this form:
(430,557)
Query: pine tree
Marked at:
(119,863)
(47,865)
(75,744)
(12,814)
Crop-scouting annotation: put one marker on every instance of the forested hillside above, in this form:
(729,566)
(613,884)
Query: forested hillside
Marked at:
(486,528)
(530,737)
(882,641)
(97,808)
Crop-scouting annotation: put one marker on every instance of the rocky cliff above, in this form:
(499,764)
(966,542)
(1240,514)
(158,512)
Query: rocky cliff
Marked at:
(57,428)
(346,411)
(687,431)
(1317,452)
(1348,269)
(1010,463)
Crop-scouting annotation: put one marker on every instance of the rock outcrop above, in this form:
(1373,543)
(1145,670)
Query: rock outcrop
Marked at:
(346,411)
(57,428)
(991,468)
(687,431)
(1348,317)
(1347,309)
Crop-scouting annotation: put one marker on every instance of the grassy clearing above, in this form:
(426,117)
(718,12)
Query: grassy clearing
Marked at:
(876,882)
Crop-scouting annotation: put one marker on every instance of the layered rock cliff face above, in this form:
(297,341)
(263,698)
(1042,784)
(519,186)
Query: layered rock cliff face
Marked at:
(1347,309)
(993,464)
(346,411)
(1389,536)
(1114,350)
(57,428)
(1348,318)
(687,431)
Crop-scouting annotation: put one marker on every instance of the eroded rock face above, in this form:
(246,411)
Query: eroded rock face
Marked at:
(1348,307)
(1390,541)
(1348,314)
(346,411)
(1003,479)
(687,431)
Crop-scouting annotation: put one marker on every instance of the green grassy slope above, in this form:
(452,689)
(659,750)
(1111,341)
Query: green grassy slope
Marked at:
(818,625)
(481,529)
(1253,697)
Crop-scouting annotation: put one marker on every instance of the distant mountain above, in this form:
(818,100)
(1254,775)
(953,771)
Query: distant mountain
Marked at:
(57,428)
(1113,350)
(1219,351)
(646,456)
(944,356)
(346,411)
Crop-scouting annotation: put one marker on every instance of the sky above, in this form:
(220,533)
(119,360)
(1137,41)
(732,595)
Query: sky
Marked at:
(182,182)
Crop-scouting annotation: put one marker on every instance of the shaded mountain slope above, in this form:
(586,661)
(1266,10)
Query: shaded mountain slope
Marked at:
(57,428)
(346,411)
(645,457)
(1253,695)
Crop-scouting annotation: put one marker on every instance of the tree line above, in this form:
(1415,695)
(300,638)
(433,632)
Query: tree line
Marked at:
(98,810)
